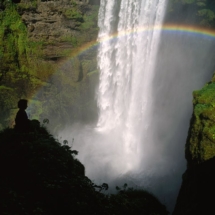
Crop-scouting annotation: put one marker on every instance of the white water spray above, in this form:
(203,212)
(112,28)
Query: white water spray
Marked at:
(145,102)
(143,118)
(126,64)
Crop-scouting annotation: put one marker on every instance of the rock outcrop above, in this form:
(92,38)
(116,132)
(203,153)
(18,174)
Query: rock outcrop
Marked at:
(44,50)
(56,23)
(200,145)
(198,187)
(42,176)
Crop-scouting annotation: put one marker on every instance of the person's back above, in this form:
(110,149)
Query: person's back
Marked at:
(21,120)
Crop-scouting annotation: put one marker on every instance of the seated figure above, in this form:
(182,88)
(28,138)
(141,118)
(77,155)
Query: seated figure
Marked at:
(22,123)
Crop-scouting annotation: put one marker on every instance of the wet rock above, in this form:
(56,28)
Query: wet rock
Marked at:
(198,187)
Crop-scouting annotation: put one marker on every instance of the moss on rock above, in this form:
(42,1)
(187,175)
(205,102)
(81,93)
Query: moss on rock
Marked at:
(198,180)
(34,55)
(200,144)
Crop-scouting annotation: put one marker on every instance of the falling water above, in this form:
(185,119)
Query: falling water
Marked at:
(144,101)
(126,59)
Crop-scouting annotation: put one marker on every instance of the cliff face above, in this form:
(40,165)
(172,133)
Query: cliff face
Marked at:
(40,57)
(52,20)
(200,145)
(58,23)
(198,187)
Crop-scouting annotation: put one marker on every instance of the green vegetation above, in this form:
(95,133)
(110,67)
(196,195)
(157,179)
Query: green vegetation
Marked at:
(200,144)
(13,60)
(40,175)
(199,12)
(73,13)
(207,17)
(69,95)
(90,19)
(20,72)
(28,5)
(89,26)
(24,68)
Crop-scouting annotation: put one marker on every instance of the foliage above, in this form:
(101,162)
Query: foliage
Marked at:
(90,19)
(69,94)
(13,37)
(73,13)
(200,144)
(72,40)
(198,12)
(27,5)
(208,16)
(89,27)
(130,201)
(39,175)
(18,72)
(24,68)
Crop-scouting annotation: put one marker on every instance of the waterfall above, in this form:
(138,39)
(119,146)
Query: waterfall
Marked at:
(129,40)
(144,99)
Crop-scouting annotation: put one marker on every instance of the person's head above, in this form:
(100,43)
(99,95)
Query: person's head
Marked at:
(22,104)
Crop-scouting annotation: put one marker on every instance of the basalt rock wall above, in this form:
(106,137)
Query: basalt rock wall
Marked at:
(198,187)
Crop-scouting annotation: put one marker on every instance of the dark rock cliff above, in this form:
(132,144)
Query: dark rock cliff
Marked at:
(198,187)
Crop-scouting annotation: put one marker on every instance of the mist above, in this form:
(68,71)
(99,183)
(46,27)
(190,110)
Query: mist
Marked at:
(184,63)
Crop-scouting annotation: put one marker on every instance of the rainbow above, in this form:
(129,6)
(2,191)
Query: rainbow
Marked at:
(193,31)
(171,28)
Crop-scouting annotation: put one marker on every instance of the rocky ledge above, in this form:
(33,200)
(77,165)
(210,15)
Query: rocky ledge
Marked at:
(198,187)
(57,24)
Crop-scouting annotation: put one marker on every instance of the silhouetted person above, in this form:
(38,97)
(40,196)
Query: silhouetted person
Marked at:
(21,120)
